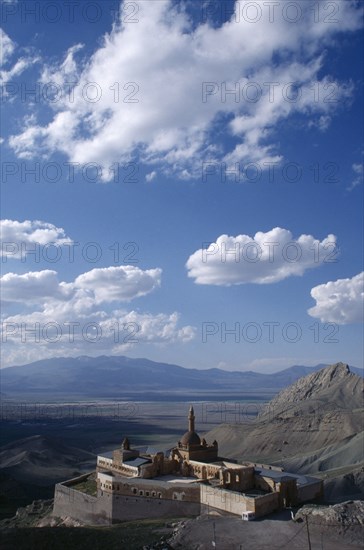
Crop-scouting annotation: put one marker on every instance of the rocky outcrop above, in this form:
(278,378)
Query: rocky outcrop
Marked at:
(333,384)
(315,426)
(29,516)
(345,514)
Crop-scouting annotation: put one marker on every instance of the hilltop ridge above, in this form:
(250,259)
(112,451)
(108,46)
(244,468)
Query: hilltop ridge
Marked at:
(315,426)
(335,384)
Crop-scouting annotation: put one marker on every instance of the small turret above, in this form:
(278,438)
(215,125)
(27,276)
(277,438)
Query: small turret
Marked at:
(125,444)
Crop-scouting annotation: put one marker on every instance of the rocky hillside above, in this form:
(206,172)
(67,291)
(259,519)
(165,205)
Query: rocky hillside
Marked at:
(30,467)
(346,518)
(42,460)
(335,385)
(314,426)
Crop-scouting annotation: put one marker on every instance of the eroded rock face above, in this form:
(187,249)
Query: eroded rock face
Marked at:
(29,516)
(314,426)
(345,514)
(335,384)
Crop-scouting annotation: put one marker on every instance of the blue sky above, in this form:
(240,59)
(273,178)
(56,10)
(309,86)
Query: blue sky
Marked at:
(173,171)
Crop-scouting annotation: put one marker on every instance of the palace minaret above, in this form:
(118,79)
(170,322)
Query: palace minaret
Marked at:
(191,420)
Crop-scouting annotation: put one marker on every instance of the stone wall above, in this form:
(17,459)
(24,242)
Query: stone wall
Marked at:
(238,479)
(71,503)
(123,499)
(192,452)
(287,489)
(109,507)
(130,508)
(236,503)
(264,483)
(227,501)
(266,504)
(114,507)
(149,488)
(310,491)
(159,466)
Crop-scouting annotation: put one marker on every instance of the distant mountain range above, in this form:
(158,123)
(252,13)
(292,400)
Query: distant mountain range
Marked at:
(117,375)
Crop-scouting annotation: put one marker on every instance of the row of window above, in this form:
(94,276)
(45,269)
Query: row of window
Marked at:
(139,492)
(147,493)
(129,471)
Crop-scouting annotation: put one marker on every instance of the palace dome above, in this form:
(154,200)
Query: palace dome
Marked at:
(190,438)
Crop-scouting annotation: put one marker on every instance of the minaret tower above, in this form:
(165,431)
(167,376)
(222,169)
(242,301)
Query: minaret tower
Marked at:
(191,420)
(190,447)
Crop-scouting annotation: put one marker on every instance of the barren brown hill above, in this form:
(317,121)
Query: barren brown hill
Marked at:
(314,426)
(42,460)
(334,385)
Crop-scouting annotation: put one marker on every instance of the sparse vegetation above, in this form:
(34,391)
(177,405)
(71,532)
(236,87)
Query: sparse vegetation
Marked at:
(87,486)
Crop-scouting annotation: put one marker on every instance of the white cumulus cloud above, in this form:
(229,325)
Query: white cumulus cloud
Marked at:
(340,301)
(65,73)
(142,91)
(9,72)
(18,237)
(7,46)
(102,285)
(358,169)
(264,258)
(121,283)
(151,176)
(77,318)
(32,287)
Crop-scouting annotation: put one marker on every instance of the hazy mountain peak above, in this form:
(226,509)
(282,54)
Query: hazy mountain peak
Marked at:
(337,370)
(320,380)
(334,384)
(324,378)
